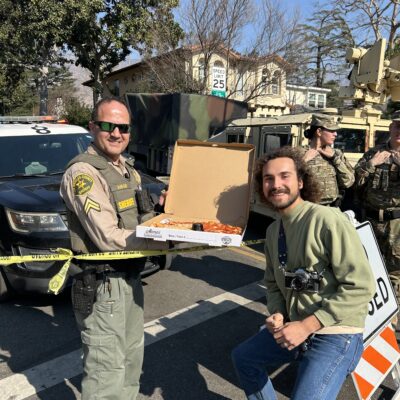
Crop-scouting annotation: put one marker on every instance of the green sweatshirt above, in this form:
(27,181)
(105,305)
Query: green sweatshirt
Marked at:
(320,239)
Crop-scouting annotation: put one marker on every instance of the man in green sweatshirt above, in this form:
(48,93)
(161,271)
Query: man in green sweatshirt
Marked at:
(319,284)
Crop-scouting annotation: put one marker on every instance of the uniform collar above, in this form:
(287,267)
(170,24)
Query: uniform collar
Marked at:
(92,149)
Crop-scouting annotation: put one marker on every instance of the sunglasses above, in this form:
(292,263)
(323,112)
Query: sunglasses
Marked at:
(109,127)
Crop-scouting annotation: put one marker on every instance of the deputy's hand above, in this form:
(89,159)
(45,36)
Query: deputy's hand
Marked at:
(379,158)
(292,334)
(162,198)
(274,322)
(327,151)
(310,154)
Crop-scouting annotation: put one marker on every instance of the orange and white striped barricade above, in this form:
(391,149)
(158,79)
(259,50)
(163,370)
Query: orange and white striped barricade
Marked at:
(381,352)
(379,358)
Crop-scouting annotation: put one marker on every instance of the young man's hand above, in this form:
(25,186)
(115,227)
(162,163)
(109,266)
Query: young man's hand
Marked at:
(292,334)
(274,322)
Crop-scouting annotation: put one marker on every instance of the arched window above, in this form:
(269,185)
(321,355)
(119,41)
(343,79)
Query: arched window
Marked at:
(219,64)
(264,81)
(202,72)
(276,83)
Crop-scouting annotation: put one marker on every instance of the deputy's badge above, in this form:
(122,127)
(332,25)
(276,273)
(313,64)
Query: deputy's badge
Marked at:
(82,184)
(91,205)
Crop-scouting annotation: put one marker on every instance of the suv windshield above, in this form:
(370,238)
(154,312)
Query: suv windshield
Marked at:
(32,155)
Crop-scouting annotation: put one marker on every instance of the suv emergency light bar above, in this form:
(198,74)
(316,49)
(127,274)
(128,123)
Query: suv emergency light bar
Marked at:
(28,119)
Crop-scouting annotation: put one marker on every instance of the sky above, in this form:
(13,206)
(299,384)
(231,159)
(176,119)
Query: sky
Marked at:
(305,7)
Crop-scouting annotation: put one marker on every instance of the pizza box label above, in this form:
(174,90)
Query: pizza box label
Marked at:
(209,182)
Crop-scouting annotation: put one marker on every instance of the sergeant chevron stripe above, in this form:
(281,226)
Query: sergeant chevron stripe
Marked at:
(376,362)
(91,205)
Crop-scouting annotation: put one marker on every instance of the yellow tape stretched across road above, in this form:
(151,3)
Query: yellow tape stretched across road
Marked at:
(60,254)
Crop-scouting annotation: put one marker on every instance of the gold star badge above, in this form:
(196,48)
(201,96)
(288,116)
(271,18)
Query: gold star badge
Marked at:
(82,184)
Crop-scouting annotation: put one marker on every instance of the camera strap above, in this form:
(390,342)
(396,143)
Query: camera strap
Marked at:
(282,248)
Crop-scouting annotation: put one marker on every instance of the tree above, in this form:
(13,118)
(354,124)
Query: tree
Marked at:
(220,27)
(108,30)
(274,40)
(32,35)
(372,19)
(77,113)
(23,99)
(332,98)
(214,26)
(325,38)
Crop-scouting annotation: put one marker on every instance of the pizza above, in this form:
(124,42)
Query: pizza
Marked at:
(208,226)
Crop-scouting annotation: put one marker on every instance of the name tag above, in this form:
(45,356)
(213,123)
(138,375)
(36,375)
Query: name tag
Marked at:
(124,204)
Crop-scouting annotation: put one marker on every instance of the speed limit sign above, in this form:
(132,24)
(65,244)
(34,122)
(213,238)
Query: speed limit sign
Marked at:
(218,82)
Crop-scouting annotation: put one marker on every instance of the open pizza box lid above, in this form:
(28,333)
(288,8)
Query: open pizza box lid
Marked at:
(209,182)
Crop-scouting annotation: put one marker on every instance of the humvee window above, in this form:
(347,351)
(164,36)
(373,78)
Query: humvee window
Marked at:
(235,138)
(381,137)
(350,140)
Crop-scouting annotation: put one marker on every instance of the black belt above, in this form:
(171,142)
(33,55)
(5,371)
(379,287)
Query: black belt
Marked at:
(117,267)
(382,215)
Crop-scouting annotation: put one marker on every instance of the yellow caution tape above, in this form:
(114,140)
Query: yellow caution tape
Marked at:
(60,254)
(58,280)
(36,258)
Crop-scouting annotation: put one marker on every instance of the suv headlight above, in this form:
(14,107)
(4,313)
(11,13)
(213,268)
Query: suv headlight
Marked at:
(25,222)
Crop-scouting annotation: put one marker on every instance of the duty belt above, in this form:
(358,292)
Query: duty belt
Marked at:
(111,267)
(382,215)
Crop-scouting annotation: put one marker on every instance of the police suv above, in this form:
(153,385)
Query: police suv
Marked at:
(33,154)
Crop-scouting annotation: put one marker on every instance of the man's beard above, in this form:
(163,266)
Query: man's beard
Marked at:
(281,206)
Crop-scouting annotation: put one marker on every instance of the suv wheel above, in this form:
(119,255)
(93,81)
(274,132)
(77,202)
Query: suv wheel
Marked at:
(5,292)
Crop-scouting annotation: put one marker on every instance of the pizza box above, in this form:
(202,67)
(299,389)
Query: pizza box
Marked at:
(209,182)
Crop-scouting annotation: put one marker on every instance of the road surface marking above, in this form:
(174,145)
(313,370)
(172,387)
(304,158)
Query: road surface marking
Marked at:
(44,376)
(258,256)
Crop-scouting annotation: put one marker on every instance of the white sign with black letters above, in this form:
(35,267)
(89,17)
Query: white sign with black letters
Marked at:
(219,81)
(383,305)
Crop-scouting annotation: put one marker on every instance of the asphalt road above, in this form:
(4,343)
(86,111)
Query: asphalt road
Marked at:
(195,313)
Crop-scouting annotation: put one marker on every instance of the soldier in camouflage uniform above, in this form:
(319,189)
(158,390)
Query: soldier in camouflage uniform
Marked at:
(334,172)
(378,184)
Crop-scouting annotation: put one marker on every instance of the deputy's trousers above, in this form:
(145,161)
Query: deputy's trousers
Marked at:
(113,340)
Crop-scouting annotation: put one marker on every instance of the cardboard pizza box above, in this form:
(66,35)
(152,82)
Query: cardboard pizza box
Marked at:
(209,182)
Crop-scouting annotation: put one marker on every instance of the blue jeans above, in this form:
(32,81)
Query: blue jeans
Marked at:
(321,372)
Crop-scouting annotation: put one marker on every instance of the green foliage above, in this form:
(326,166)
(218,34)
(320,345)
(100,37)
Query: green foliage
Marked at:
(22,100)
(332,98)
(326,36)
(35,34)
(106,31)
(32,38)
(77,113)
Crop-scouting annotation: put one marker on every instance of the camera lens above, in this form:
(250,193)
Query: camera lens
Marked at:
(299,283)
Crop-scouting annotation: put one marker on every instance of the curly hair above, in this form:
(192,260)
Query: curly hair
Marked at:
(311,190)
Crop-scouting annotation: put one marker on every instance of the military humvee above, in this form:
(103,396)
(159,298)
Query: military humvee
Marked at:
(160,119)
(372,80)
(355,136)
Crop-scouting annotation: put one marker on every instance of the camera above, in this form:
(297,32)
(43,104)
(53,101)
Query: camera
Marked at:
(302,280)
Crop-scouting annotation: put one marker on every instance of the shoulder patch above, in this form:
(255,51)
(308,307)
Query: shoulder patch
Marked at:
(82,184)
(91,205)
